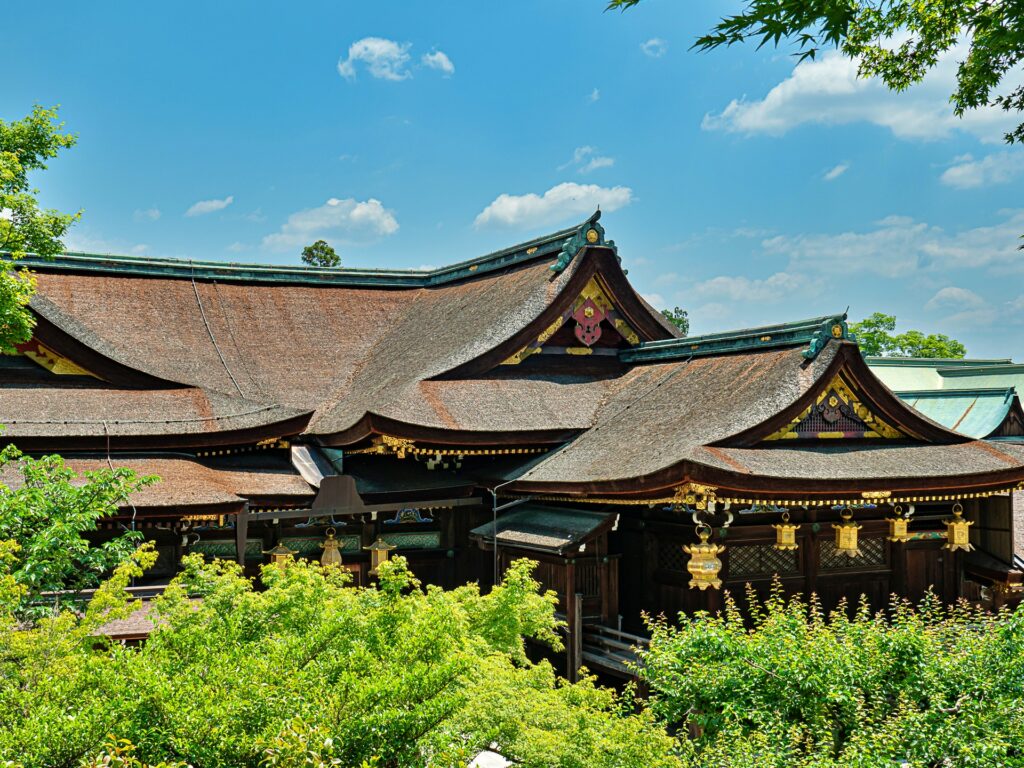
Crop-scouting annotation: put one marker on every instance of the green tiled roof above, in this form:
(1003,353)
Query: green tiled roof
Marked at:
(815,332)
(542,247)
(976,413)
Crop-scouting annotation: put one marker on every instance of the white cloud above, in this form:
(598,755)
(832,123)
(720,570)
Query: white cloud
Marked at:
(595,95)
(997,168)
(899,246)
(348,216)
(586,160)
(655,47)
(203,207)
(148,214)
(834,173)
(953,297)
(236,247)
(439,60)
(384,59)
(559,203)
(827,91)
(781,286)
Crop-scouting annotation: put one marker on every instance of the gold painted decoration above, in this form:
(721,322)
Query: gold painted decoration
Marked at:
(704,565)
(52,361)
(836,413)
(332,552)
(846,535)
(593,236)
(785,533)
(380,552)
(694,495)
(958,534)
(591,308)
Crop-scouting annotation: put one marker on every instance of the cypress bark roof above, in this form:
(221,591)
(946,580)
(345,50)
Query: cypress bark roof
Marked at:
(185,484)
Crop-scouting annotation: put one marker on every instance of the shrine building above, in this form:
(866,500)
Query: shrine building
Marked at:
(526,403)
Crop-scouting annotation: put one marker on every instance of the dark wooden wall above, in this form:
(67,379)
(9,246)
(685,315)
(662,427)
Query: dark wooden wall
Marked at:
(654,578)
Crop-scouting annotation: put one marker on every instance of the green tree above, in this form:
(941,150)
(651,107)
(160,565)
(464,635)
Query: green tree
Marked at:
(679,318)
(25,146)
(309,671)
(43,516)
(799,689)
(899,41)
(321,254)
(876,336)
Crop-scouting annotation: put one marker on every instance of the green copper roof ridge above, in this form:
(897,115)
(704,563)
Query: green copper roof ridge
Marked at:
(148,266)
(814,332)
(951,393)
(946,362)
(981,370)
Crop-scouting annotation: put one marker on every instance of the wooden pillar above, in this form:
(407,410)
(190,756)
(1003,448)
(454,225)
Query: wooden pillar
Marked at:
(574,645)
(573,619)
(241,533)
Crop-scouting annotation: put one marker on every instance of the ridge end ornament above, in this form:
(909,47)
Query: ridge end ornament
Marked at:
(590,233)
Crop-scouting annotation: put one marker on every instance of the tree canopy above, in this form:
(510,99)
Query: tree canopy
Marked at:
(25,146)
(43,519)
(876,336)
(920,687)
(321,254)
(310,671)
(679,317)
(898,41)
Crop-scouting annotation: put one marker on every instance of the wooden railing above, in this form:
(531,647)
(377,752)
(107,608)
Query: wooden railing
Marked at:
(600,648)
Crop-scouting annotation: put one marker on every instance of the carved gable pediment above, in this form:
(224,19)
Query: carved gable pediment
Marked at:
(836,413)
(592,317)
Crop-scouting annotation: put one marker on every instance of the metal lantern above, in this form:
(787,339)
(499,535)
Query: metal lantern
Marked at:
(332,552)
(898,526)
(704,564)
(280,555)
(846,535)
(785,533)
(379,552)
(957,531)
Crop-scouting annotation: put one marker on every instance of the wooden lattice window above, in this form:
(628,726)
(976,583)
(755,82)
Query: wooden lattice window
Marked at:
(872,553)
(671,556)
(762,560)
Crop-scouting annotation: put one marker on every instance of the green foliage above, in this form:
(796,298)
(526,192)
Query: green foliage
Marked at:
(321,254)
(933,687)
(679,318)
(312,672)
(42,522)
(26,145)
(876,337)
(868,32)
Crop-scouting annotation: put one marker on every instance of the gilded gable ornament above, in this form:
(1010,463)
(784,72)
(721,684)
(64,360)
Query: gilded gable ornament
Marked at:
(588,317)
(836,413)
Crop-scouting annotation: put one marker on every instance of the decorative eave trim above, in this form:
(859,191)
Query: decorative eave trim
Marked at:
(816,333)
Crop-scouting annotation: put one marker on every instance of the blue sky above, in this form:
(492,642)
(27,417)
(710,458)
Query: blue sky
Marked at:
(737,185)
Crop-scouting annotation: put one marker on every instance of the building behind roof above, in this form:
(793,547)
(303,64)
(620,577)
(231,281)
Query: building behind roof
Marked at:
(527,403)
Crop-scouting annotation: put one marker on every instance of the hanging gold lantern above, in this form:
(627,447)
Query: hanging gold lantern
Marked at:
(380,551)
(280,555)
(332,552)
(785,533)
(958,535)
(898,526)
(846,534)
(704,564)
